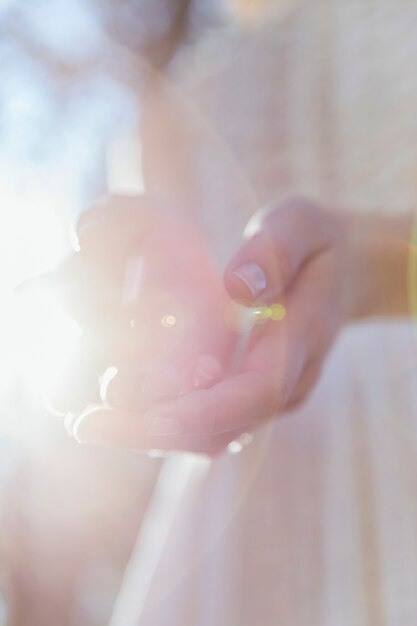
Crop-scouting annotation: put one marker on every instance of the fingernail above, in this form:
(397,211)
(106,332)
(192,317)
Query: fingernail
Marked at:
(208,369)
(88,428)
(163,426)
(105,383)
(253,276)
(201,378)
(78,428)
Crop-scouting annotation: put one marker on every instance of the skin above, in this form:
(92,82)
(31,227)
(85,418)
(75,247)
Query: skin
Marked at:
(166,337)
(327,269)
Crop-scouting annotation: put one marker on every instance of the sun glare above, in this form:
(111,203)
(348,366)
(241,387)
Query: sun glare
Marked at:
(36,336)
(45,338)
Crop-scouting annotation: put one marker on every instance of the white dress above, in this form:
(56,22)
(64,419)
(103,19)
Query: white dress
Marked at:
(314,523)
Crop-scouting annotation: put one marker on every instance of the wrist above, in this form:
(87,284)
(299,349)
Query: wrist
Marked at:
(377,266)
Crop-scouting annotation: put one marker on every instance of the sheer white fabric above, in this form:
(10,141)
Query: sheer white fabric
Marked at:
(315,523)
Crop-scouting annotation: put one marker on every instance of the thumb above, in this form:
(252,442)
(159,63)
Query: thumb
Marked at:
(282,240)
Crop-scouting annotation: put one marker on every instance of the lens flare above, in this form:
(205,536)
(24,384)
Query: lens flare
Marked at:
(167,321)
(275,312)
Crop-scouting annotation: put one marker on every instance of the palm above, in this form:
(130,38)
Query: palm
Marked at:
(144,290)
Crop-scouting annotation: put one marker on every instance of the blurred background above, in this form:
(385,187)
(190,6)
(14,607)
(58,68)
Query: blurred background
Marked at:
(328,107)
(69,110)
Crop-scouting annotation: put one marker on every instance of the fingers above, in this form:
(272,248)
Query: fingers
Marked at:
(204,420)
(233,405)
(281,241)
(135,386)
(152,409)
(201,421)
(131,250)
(156,310)
(204,372)
(123,429)
(118,221)
(112,231)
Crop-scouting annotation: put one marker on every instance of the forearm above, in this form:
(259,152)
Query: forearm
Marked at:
(380,256)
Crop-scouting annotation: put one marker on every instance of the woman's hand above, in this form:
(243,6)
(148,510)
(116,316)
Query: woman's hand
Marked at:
(151,306)
(292,270)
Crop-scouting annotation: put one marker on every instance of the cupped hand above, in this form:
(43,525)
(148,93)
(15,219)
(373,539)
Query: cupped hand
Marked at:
(291,272)
(151,305)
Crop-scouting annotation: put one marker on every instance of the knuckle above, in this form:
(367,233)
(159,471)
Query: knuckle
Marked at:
(313,217)
(308,215)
